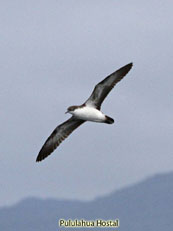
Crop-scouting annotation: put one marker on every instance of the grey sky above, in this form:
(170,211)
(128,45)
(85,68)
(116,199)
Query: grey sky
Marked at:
(52,53)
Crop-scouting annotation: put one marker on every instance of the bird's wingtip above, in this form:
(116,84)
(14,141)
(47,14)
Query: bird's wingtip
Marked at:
(40,157)
(37,159)
(130,64)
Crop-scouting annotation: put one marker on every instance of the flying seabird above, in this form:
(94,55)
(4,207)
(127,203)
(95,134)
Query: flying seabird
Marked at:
(89,111)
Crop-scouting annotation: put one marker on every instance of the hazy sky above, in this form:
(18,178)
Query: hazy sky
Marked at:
(52,53)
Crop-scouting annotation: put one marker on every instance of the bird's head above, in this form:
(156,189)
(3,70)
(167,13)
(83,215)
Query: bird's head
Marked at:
(71,109)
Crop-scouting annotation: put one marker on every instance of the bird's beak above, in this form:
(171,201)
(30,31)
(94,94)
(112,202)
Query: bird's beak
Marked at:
(66,112)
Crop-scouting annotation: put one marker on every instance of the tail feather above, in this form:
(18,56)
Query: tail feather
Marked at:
(109,120)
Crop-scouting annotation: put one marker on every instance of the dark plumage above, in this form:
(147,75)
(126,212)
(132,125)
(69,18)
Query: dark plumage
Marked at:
(93,105)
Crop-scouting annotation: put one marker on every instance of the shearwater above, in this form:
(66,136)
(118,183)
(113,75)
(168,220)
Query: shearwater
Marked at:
(88,111)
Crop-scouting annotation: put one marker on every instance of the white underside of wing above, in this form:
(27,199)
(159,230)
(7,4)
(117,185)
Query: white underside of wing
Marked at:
(89,113)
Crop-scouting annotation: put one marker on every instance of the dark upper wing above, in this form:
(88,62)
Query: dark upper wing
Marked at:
(102,89)
(58,135)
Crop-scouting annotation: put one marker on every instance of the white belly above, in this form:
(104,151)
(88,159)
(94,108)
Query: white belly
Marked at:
(90,114)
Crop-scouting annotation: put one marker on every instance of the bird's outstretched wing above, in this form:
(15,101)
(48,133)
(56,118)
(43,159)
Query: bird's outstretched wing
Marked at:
(102,89)
(58,135)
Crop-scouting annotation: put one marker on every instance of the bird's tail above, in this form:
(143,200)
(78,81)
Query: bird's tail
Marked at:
(109,120)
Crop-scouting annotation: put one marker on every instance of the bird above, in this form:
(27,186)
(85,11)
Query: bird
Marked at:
(88,111)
